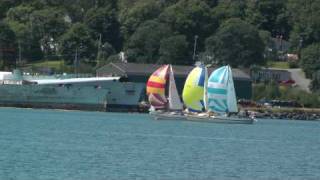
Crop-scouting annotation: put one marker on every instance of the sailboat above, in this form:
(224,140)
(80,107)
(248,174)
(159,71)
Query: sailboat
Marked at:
(220,98)
(163,95)
(194,92)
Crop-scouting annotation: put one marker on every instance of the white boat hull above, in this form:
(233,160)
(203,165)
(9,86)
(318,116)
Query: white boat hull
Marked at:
(213,119)
(222,119)
(167,116)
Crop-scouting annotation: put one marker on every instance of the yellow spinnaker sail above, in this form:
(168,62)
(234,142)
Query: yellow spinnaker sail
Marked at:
(194,88)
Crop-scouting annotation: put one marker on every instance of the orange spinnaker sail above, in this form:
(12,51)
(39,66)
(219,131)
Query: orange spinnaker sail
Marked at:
(156,86)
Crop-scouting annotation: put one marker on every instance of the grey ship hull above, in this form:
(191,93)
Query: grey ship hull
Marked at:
(100,96)
(50,96)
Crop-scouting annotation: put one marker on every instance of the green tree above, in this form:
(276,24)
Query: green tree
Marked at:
(47,26)
(7,46)
(20,14)
(144,46)
(18,18)
(229,9)
(310,59)
(5,5)
(315,83)
(270,16)
(212,3)
(105,51)
(77,40)
(103,21)
(305,19)
(270,52)
(236,43)
(174,50)
(190,18)
(132,17)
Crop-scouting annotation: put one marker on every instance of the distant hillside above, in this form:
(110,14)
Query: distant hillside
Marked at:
(239,33)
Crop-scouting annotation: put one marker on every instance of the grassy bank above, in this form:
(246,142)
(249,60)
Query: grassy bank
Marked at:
(278,64)
(57,64)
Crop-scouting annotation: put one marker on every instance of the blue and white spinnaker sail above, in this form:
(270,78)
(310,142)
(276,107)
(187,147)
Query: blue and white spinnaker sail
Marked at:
(221,93)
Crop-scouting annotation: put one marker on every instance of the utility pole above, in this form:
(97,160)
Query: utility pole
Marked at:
(195,47)
(75,62)
(1,53)
(19,46)
(99,49)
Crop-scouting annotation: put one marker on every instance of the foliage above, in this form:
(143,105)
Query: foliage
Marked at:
(20,21)
(270,16)
(77,41)
(103,22)
(48,25)
(305,19)
(229,9)
(7,45)
(240,33)
(132,17)
(272,91)
(144,46)
(190,18)
(5,5)
(266,91)
(105,51)
(310,59)
(270,52)
(173,50)
(293,64)
(236,43)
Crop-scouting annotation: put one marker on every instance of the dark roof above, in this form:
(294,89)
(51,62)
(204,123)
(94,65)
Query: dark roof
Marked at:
(147,69)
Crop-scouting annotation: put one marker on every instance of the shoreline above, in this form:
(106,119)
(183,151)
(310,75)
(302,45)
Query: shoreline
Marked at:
(307,114)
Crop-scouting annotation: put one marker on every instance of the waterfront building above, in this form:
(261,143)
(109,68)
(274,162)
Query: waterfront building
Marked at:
(139,74)
(270,74)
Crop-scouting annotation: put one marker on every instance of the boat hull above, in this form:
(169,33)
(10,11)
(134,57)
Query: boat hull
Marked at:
(221,119)
(96,96)
(168,116)
(206,119)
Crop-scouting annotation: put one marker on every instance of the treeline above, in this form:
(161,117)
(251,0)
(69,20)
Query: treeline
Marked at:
(159,31)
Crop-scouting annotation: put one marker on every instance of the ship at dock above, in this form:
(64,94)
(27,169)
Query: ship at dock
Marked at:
(65,92)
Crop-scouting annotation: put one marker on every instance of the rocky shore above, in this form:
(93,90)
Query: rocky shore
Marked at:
(286,113)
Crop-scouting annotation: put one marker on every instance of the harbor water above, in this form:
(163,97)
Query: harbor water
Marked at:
(54,144)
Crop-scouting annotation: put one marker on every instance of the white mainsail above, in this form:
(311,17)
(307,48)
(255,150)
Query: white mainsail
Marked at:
(231,94)
(205,94)
(174,100)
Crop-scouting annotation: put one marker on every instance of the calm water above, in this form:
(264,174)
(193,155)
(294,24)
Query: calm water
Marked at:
(49,144)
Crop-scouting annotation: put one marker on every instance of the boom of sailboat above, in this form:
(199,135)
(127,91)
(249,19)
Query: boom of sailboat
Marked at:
(205,99)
